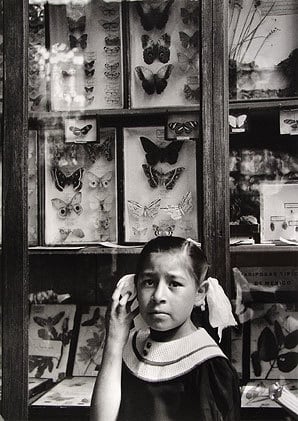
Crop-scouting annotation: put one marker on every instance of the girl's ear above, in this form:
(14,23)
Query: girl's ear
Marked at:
(201,294)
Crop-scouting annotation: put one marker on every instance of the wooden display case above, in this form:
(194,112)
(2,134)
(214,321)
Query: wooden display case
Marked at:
(89,271)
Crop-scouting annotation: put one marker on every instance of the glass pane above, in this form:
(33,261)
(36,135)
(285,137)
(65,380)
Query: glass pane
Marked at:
(263,49)
(114,91)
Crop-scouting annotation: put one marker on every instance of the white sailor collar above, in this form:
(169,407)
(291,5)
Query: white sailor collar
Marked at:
(158,361)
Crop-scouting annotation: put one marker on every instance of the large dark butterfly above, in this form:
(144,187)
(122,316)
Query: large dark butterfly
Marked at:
(95,317)
(159,50)
(185,127)
(190,16)
(94,150)
(186,63)
(65,209)
(155,154)
(156,17)
(77,25)
(191,94)
(157,178)
(188,41)
(78,42)
(154,82)
(61,180)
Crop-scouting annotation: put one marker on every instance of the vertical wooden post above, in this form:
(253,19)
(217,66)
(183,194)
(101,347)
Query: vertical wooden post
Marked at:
(214,82)
(14,240)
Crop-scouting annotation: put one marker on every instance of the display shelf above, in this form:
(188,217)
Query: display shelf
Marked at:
(85,250)
(263,248)
(263,104)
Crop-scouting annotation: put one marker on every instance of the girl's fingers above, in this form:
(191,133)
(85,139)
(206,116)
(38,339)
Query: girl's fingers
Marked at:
(116,297)
(123,300)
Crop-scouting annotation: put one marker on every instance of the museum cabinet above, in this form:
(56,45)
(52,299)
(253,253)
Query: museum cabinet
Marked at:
(126,120)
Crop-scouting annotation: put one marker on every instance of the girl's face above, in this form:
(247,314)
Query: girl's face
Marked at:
(167,293)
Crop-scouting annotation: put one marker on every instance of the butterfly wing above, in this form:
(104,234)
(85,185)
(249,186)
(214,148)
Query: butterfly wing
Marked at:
(171,177)
(163,16)
(151,210)
(161,77)
(59,178)
(152,175)
(177,127)
(76,179)
(86,129)
(106,149)
(104,181)
(232,121)
(83,41)
(170,153)
(152,151)
(194,39)
(135,208)
(241,119)
(78,233)
(61,207)
(40,321)
(75,203)
(93,179)
(184,38)
(190,125)
(56,319)
(146,77)
(94,318)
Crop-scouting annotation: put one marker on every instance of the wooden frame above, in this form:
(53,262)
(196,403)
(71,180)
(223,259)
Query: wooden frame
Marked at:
(15,189)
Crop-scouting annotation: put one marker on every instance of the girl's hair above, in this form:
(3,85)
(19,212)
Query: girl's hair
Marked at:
(197,261)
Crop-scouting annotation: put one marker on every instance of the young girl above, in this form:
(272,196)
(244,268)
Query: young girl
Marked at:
(171,370)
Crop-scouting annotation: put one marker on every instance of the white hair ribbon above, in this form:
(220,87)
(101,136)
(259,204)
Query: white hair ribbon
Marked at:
(219,306)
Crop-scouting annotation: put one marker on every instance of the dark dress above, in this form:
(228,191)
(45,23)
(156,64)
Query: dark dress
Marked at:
(209,391)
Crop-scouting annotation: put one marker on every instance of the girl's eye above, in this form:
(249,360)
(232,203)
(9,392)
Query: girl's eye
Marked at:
(148,282)
(175,284)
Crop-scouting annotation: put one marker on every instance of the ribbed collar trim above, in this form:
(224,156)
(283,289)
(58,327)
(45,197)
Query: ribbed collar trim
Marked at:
(158,361)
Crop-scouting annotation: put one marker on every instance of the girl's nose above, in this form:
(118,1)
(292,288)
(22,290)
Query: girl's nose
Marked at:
(159,293)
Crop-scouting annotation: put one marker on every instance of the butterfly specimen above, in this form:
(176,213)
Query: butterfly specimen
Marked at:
(291,122)
(159,50)
(155,154)
(68,73)
(77,232)
(157,178)
(191,94)
(184,207)
(61,180)
(99,182)
(187,64)
(78,42)
(95,317)
(156,17)
(188,41)
(112,67)
(237,122)
(185,127)
(190,17)
(138,211)
(89,64)
(89,99)
(110,26)
(77,25)
(65,209)
(163,230)
(112,40)
(103,205)
(95,150)
(111,75)
(89,73)
(111,51)
(154,82)
(139,232)
(89,89)
(80,132)
(109,11)
(49,324)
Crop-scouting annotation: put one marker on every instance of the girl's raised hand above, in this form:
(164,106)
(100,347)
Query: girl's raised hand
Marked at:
(120,316)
